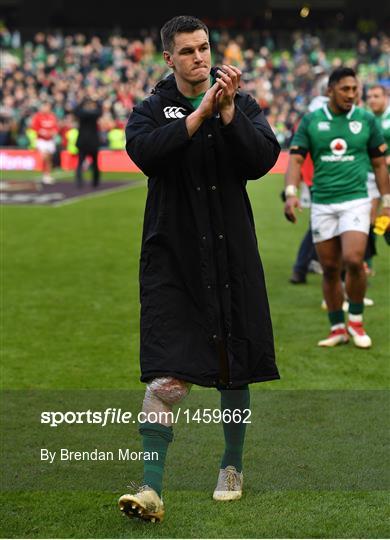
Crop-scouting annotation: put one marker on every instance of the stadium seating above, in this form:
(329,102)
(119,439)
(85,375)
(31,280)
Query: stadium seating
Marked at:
(121,72)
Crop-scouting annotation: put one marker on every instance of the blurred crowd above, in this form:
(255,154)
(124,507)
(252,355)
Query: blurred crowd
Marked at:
(119,72)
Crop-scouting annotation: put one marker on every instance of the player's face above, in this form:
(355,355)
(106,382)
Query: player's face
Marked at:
(343,94)
(376,100)
(190,58)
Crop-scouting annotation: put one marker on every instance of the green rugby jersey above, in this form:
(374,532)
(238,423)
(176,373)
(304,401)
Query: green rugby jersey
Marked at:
(340,146)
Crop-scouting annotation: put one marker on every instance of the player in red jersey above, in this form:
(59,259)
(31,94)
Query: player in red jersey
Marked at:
(45,124)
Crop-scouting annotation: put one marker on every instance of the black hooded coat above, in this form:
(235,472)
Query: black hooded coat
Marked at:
(204,309)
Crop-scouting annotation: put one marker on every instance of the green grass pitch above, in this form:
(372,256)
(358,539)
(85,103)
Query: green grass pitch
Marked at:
(70,298)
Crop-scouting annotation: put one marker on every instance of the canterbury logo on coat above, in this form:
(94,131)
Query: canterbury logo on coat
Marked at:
(174,112)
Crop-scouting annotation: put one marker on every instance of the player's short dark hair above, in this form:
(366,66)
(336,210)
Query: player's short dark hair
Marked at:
(340,73)
(380,86)
(178,25)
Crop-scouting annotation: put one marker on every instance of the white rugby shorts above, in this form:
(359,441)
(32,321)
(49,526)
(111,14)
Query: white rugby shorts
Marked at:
(45,146)
(330,220)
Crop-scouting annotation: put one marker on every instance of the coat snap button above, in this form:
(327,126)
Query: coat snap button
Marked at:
(220,236)
(197,188)
(213,187)
(203,238)
(227,285)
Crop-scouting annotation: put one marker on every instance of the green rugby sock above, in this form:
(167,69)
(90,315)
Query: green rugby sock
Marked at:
(234,432)
(356,308)
(156,438)
(336,317)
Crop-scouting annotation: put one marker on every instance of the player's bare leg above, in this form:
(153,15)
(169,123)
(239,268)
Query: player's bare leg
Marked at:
(47,168)
(374,210)
(353,250)
(330,257)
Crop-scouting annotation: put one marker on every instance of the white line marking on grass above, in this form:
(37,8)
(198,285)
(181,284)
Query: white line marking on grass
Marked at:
(72,200)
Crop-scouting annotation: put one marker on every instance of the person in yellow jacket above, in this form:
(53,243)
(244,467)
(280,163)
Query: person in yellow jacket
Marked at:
(116,137)
(71,139)
(31,135)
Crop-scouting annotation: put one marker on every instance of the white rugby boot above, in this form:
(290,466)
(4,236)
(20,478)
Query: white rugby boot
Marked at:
(229,485)
(338,336)
(356,330)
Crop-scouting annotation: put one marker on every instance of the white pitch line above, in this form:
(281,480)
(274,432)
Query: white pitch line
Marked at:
(72,200)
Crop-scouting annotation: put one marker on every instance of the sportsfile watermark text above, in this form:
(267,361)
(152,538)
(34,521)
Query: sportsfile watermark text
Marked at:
(117,416)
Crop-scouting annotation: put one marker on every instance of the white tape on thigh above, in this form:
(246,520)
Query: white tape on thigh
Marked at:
(161,394)
(169,389)
(153,404)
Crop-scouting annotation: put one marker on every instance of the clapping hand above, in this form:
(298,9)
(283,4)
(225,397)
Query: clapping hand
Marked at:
(228,80)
